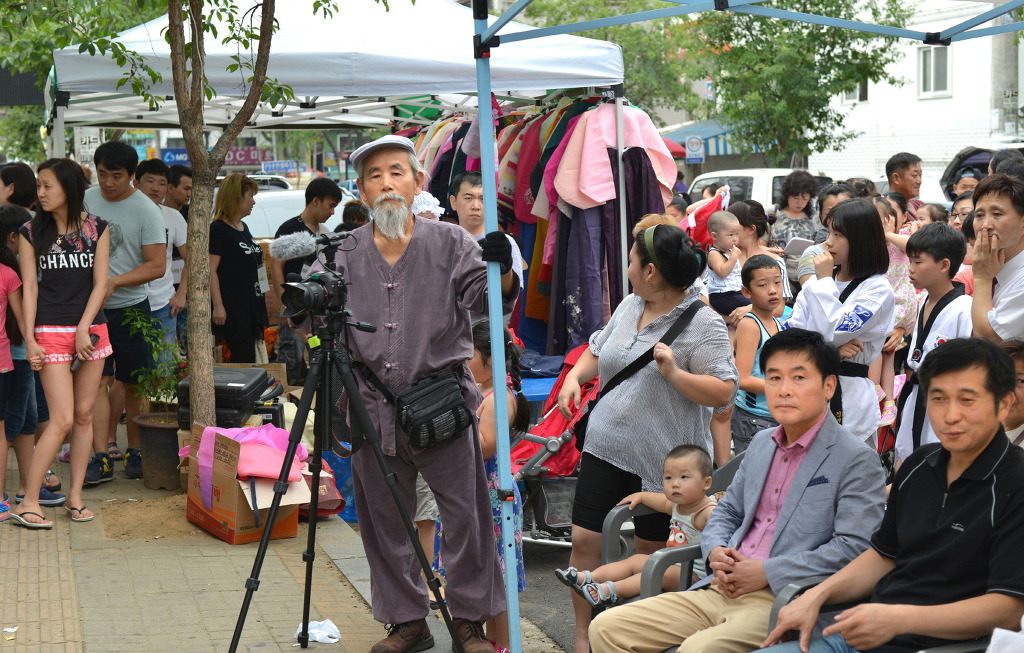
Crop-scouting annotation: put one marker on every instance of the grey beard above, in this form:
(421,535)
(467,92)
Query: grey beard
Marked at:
(390,213)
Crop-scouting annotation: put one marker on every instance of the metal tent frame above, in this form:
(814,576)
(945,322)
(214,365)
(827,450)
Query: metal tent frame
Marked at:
(486,36)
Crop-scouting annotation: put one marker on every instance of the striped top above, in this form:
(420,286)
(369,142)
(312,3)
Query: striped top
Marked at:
(645,417)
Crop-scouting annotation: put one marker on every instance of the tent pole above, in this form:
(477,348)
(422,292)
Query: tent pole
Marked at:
(497,323)
(620,192)
(57,135)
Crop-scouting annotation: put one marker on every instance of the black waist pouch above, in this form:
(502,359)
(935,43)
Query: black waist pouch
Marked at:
(433,410)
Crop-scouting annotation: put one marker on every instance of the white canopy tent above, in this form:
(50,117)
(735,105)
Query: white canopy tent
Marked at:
(352,69)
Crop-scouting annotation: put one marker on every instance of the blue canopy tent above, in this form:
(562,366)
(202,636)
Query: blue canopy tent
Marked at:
(487,36)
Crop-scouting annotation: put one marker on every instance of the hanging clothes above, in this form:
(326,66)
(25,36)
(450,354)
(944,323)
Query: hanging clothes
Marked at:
(557,175)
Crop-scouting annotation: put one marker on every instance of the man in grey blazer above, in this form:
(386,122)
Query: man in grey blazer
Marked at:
(805,501)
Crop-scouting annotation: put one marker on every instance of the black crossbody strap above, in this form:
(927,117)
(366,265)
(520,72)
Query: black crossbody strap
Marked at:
(923,329)
(843,296)
(673,332)
(373,380)
(836,403)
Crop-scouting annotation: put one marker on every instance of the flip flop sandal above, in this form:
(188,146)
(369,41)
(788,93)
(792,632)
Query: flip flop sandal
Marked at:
(46,482)
(5,511)
(72,511)
(21,521)
(113,452)
(606,594)
(571,578)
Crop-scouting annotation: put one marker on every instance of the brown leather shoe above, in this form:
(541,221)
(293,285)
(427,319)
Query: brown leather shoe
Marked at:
(471,634)
(409,637)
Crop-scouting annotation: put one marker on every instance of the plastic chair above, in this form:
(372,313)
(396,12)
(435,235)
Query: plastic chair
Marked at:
(659,562)
(793,590)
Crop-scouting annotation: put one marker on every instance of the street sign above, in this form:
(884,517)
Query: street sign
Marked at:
(694,150)
(273,167)
(87,139)
(173,155)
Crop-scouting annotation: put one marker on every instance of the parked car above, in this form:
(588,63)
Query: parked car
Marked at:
(761,184)
(273,209)
(267,182)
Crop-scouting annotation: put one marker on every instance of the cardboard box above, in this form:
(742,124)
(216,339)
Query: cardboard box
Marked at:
(230,516)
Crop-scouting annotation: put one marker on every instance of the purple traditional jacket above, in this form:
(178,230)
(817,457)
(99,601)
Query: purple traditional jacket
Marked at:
(421,308)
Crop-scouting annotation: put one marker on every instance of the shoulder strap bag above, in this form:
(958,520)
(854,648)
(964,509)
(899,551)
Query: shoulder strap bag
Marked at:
(580,430)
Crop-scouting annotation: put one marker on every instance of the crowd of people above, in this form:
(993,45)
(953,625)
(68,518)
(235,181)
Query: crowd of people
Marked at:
(898,315)
(893,289)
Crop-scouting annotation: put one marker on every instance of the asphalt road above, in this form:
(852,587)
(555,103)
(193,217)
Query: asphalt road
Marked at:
(545,601)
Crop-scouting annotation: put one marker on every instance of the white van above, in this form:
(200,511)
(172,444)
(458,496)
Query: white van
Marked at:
(761,184)
(273,209)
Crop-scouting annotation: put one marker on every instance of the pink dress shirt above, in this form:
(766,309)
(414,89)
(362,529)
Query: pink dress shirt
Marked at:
(757,543)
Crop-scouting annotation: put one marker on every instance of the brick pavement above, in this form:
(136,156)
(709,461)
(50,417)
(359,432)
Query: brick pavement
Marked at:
(73,589)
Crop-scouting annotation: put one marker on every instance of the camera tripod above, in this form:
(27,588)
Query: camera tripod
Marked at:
(327,358)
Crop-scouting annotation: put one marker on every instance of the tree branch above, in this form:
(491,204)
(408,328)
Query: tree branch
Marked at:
(259,78)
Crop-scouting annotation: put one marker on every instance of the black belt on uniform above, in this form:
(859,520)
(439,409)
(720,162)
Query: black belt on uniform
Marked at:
(853,370)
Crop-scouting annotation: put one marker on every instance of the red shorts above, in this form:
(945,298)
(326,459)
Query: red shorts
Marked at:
(59,343)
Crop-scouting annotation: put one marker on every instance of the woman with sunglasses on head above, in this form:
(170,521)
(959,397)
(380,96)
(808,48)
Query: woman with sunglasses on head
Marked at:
(238,279)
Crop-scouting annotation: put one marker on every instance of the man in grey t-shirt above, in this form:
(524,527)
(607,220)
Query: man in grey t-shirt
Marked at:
(137,256)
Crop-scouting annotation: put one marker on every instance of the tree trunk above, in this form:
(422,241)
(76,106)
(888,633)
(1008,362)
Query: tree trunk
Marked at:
(188,75)
(200,336)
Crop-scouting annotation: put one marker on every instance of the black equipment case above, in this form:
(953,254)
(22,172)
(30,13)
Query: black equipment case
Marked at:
(234,387)
(227,418)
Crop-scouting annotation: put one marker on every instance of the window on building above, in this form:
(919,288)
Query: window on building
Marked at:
(933,71)
(859,94)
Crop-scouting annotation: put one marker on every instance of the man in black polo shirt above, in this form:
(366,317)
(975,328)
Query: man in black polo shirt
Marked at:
(322,196)
(945,563)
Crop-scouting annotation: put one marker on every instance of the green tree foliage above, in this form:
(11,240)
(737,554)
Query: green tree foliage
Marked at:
(20,136)
(774,79)
(654,71)
(31,31)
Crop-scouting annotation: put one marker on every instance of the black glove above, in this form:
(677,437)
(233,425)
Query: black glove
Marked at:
(497,249)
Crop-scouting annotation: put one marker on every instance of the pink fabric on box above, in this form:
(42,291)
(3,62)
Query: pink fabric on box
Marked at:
(268,436)
(757,543)
(262,461)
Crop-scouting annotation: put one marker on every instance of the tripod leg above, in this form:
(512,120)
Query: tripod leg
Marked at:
(358,413)
(280,487)
(326,396)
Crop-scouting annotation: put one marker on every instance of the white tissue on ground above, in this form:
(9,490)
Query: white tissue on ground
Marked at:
(324,632)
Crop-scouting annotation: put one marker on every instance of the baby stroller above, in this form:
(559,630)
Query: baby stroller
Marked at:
(544,463)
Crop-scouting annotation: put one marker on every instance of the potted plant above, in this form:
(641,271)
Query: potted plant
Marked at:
(158,385)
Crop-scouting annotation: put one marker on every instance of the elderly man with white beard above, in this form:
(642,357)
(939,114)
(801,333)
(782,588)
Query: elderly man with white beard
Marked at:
(418,280)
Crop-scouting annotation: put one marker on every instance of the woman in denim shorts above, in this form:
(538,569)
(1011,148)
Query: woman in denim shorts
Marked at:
(64,258)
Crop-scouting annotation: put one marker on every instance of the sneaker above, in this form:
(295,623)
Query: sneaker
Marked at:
(132,463)
(46,498)
(5,511)
(65,453)
(99,470)
(888,413)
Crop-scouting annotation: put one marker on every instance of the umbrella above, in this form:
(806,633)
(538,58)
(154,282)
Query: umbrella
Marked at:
(675,149)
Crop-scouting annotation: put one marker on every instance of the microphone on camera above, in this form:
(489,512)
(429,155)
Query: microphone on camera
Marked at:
(297,245)
(302,244)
